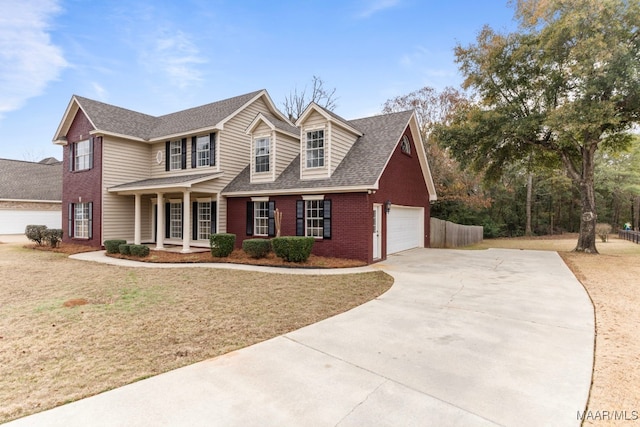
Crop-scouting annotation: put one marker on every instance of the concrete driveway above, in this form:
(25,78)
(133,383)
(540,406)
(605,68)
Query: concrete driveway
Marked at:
(463,338)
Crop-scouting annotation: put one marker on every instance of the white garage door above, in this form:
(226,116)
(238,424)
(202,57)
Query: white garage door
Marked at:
(14,221)
(405,228)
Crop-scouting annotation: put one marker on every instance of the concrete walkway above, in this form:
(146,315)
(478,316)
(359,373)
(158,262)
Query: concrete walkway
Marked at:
(463,338)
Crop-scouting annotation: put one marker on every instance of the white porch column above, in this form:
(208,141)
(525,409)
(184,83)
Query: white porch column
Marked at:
(186,221)
(137,234)
(160,222)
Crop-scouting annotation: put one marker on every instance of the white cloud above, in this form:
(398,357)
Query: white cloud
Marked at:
(374,6)
(99,90)
(178,57)
(29,60)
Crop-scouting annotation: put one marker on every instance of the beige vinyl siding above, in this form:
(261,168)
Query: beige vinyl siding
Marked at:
(341,142)
(235,144)
(263,131)
(315,121)
(122,161)
(286,149)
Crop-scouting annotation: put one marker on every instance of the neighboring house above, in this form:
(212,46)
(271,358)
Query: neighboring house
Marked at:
(362,188)
(30,193)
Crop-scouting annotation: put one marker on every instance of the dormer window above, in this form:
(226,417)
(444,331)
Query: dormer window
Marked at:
(315,149)
(261,155)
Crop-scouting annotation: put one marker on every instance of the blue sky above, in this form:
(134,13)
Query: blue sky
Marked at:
(158,56)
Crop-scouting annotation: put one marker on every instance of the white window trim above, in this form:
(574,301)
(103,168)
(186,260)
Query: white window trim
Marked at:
(260,199)
(313,197)
(84,221)
(254,163)
(307,219)
(172,155)
(203,202)
(256,218)
(208,151)
(86,157)
(325,147)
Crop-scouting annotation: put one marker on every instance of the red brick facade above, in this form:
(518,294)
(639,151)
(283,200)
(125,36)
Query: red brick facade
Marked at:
(402,183)
(83,186)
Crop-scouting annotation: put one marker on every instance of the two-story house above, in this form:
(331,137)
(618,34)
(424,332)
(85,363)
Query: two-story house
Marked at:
(362,187)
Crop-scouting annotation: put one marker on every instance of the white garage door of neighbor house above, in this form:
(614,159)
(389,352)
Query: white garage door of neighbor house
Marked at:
(405,228)
(14,221)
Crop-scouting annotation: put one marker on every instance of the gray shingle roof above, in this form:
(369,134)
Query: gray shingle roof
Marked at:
(282,125)
(166,181)
(362,166)
(30,181)
(112,119)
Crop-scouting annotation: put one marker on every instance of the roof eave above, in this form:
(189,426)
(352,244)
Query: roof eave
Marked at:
(289,191)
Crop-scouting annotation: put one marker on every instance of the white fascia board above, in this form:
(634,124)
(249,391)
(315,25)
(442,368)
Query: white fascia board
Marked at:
(328,190)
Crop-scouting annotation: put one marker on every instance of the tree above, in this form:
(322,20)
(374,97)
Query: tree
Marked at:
(567,83)
(295,104)
(453,185)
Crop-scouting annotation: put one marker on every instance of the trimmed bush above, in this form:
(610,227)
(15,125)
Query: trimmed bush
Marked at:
(35,233)
(293,248)
(256,248)
(124,249)
(113,246)
(222,244)
(53,236)
(139,250)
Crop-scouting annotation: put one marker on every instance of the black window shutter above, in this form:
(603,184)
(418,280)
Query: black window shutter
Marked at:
(194,150)
(194,221)
(214,217)
(90,220)
(184,153)
(326,223)
(212,149)
(167,218)
(249,218)
(72,159)
(70,220)
(91,148)
(272,218)
(299,217)
(167,156)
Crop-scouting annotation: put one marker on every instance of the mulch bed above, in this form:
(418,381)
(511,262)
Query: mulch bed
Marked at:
(238,256)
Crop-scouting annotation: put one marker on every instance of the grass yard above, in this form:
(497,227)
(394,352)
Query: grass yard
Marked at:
(612,280)
(70,329)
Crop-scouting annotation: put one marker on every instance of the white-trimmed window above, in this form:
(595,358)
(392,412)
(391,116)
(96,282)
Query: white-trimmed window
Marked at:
(81,220)
(175,220)
(315,149)
(261,155)
(175,155)
(405,145)
(313,217)
(204,220)
(82,155)
(261,218)
(203,151)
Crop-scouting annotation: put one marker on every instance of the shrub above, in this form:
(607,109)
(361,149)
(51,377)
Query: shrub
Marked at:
(139,250)
(256,248)
(222,244)
(113,246)
(124,249)
(35,233)
(293,248)
(53,236)
(603,230)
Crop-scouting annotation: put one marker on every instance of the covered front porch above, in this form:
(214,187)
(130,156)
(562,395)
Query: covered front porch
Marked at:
(181,211)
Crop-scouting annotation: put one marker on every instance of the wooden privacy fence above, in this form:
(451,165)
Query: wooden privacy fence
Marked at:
(633,236)
(445,234)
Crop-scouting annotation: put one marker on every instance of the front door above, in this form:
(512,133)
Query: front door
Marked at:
(377,231)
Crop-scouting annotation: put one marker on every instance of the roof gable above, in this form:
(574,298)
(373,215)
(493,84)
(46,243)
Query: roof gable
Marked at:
(329,115)
(274,124)
(118,121)
(361,168)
